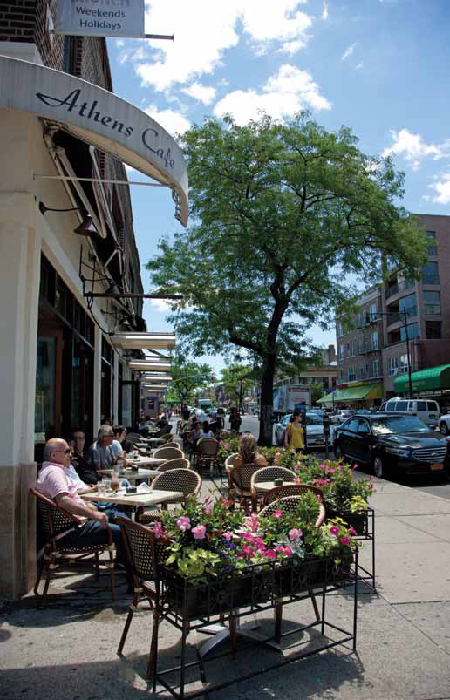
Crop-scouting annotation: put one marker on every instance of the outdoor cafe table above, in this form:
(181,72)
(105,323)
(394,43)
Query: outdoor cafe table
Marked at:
(135,500)
(132,475)
(266,486)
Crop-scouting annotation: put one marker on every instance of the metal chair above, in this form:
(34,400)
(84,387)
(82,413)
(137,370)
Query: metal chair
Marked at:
(54,521)
(267,474)
(288,497)
(168,453)
(180,463)
(206,455)
(185,480)
(143,552)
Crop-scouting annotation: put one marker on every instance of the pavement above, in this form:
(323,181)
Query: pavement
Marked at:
(67,651)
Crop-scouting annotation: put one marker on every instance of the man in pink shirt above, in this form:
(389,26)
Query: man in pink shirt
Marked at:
(55,484)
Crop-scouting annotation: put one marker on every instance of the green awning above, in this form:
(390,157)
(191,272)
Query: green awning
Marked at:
(434,378)
(360,392)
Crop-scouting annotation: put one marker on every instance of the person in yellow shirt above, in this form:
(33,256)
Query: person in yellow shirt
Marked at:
(294,433)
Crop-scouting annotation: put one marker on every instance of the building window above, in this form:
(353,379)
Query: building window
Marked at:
(373,312)
(430,273)
(432,302)
(351,374)
(348,349)
(393,366)
(339,329)
(376,368)
(413,331)
(341,353)
(374,340)
(432,248)
(407,306)
(354,348)
(403,364)
(433,329)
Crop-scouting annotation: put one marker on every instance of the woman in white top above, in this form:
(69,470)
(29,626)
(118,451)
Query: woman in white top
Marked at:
(205,433)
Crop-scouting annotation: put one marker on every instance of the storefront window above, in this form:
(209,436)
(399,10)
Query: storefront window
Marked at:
(45,414)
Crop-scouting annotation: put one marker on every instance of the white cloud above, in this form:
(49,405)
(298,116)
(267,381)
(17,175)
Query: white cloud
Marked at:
(359,65)
(284,94)
(414,149)
(161,305)
(325,12)
(173,122)
(441,189)
(202,93)
(204,30)
(348,51)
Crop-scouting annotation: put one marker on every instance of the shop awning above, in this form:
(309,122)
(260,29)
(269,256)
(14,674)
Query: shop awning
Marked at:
(144,341)
(432,379)
(362,392)
(99,118)
(157,379)
(145,366)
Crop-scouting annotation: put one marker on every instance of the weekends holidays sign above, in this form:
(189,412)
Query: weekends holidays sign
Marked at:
(100,17)
(99,118)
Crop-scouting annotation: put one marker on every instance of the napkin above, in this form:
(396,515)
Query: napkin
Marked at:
(143,488)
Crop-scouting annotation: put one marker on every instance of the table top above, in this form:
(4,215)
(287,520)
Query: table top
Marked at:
(132,475)
(265,486)
(147,461)
(138,500)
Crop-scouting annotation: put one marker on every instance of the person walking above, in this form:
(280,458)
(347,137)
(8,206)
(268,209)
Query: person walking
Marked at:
(294,433)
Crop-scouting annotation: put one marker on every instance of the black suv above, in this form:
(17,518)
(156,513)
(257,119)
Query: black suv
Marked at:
(388,442)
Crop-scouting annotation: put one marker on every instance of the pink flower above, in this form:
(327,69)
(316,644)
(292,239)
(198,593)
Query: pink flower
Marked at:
(228,536)
(352,531)
(270,554)
(199,532)
(157,530)
(287,551)
(278,514)
(297,480)
(252,522)
(334,530)
(331,471)
(295,534)
(247,550)
(184,523)
(323,467)
(259,542)
(345,541)
(248,536)
(355,466)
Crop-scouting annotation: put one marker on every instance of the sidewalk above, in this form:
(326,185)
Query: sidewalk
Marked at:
(69,649)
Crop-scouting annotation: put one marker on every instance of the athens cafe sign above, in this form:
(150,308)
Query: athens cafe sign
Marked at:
(98,117)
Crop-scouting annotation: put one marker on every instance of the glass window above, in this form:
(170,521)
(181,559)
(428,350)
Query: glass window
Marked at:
(352,425)
(399,424)
(375,368)
(407,306)
(341,353)
(421,405)
(432,302)
(374,340)
(393,366)
(351,374)
(339,329)
(413,331)
(432,249)
(430,273)
(348,349)
(373,312)
(45,412)
(403,364)
(401,406)
(432,406)
(433,329)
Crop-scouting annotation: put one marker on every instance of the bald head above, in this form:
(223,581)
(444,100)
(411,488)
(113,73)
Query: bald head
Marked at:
(55,451)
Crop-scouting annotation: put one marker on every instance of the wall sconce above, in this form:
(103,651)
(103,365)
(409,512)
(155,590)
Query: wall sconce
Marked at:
(86,228)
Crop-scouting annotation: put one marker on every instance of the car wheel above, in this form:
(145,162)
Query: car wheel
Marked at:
(378,468)
(443,428)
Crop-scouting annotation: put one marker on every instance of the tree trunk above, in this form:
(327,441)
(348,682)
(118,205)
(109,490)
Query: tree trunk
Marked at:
(265,424)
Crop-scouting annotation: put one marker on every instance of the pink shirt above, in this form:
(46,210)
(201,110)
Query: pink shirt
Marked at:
(53,481)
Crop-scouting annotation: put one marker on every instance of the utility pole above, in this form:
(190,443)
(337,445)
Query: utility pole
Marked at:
(408,354)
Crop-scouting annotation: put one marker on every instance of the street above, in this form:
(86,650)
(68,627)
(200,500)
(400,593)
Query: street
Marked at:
(429,485)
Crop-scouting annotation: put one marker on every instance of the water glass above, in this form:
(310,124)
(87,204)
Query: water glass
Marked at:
(101,488)
(107,483)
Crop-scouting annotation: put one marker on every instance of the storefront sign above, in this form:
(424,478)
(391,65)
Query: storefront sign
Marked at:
(100,18)
(98,117)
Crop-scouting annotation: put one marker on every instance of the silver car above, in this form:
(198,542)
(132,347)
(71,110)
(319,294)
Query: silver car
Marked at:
(314,430)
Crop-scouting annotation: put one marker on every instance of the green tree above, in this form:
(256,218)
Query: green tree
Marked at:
(236,382)
(187,377)
(316,392)
(285,218)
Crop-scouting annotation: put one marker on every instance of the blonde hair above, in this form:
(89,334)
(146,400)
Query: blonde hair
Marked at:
(247,449)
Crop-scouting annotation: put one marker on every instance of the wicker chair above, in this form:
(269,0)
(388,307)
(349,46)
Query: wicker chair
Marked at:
(206,455)
(173,444)
(229,466)
(144,552)
(184,480)
(240,479)
(168,453)
(267,474)
(54,521)
(288,497)
(179,463)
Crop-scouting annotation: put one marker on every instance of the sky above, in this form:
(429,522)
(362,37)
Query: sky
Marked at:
(379,67)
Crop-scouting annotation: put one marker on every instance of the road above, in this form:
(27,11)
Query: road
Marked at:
(425,484)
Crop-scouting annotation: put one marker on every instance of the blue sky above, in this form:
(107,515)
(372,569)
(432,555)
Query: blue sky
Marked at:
(379,67)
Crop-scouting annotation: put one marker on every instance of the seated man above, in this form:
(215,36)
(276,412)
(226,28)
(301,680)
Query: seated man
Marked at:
(85,471)
(120,437)
(54,483)
(100,454)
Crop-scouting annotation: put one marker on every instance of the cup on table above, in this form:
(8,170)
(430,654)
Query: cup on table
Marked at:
(107,485)
(101,488)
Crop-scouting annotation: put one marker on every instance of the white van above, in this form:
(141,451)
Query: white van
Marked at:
(428,411)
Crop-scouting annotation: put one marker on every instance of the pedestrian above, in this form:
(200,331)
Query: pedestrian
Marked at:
(235,420)
(294,433)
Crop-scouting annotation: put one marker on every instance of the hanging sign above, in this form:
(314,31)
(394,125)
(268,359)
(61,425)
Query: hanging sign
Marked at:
(101,18)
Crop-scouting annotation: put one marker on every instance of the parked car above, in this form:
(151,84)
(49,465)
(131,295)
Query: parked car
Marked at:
(444,424)
(428,410)
(340,416)
(314,429)
(388,443)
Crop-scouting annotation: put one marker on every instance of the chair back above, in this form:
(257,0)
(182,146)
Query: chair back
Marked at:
(208,446)
(229,462)
(173,444)
(271,473)
(242,475)
(288,497)
(143,550)
(134,438)
(168,453)
(180,463)
(185,480)
(54,520)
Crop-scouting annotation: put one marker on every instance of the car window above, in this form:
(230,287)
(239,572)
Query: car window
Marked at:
(401,406)
(286,420)
(390,406)
(432,406)
(314,419)
(399,424)
(421,405)
(363,427)
(352,425)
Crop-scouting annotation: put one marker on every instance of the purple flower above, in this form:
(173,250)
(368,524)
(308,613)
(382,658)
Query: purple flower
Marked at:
(278,514)
(352,531)
(157,530)
(228,536)
(199,532)
(334,530)
(184,523)
(345,541)
(295,534)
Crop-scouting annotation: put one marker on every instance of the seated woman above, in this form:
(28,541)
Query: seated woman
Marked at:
(248,452)
(206,432)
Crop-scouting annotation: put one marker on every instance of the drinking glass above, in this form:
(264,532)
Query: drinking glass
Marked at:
(101,488)
(107,483)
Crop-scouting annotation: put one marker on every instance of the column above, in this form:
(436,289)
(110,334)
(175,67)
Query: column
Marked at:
(97,379)
(115,397)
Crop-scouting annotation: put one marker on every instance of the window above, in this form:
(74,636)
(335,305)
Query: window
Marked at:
(351,374)
(432,302)
(352,425)
(354,348)
(393,366)
(401,406)
(430,273)
(376,368)
(339,329)
(432,249)
(373,312)
(374,340)
(421,405)
(432,406)
(348,349)
(341,353)
(413,331)
(403,364)
(433,329)
(407,306)
(362,372)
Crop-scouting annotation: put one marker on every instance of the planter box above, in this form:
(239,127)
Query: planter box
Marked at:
(359,521)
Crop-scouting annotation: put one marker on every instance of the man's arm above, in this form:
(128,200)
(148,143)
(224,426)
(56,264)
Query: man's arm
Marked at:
(81,509)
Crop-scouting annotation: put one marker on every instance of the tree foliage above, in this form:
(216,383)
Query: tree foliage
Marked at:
(187,377)
(285,218)
(236,382)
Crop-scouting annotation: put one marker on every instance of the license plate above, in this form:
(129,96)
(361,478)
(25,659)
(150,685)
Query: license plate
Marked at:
(436,467)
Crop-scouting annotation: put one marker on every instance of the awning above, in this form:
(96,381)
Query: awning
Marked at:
(361,392)
(99,118)
(432,379)
(154,387)
(144,341)
(145,366)
(157,379)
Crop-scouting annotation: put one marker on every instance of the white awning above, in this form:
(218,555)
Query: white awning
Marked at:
(146,366)
(155,387)
(144,341)
(99,118)
(157,378)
